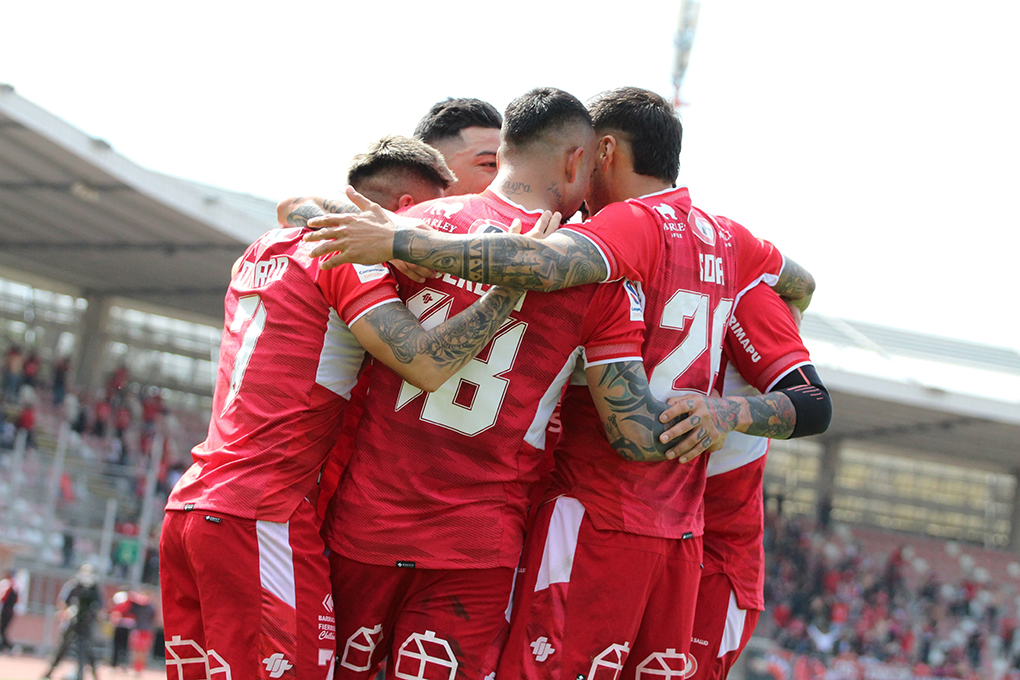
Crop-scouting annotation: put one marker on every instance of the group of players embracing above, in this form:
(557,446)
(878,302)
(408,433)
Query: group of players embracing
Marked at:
(384,485)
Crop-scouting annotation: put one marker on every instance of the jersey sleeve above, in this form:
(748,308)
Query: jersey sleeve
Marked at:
(614,327)
(757,259)
(355,289)
(763,342)
(628,238)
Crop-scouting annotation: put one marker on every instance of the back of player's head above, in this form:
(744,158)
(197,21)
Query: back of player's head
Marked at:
(447,118)
(543,115)
(647,122)
(396,166)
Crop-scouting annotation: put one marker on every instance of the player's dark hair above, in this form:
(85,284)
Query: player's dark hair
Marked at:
(447,118)
(648,123)
(538,111)
(399,153)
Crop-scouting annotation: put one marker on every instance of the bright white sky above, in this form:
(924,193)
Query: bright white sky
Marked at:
(875,141)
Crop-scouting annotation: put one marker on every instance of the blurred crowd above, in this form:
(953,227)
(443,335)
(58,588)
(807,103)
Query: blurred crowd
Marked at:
(830,596)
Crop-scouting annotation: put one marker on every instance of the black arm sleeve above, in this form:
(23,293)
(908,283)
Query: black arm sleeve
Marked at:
(810,399)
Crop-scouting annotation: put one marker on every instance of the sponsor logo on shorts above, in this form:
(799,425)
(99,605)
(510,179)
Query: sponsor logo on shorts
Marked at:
(360,646)
(276,665)
(541,649)
(699,641)
(181,653)
(327,602)
(404,564)
(609,664)
(425,657)
(668,665)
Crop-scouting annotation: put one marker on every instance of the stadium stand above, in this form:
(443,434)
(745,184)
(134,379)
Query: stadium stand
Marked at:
(113,276)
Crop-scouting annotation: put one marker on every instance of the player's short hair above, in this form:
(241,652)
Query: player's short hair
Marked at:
(399,154)
(541,110)
(648,123)
(447,118)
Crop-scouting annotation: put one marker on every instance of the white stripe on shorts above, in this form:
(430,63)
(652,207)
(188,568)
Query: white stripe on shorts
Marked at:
(276,560)
(733,631)
(560,543)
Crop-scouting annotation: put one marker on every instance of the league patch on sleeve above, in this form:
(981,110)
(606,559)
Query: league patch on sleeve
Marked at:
(637,300)
(370,272)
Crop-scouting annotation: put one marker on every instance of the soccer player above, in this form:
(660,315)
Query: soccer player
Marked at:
(466,132)
(427,527)
(614,561)
(245,582)
(763,353)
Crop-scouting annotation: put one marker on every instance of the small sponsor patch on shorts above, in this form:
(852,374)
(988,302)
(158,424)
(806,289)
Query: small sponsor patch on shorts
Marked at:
(404,564)
(687,534)
(214,520)
(189,506)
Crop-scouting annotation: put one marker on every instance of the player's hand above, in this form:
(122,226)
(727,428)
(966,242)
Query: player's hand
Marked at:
(363,238)
(705,423)
(415,272)
(547,224)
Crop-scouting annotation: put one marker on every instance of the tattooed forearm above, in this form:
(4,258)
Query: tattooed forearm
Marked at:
(300,210)
(772,415)
(629,411)
(452,343)
(795,285)
(560,261)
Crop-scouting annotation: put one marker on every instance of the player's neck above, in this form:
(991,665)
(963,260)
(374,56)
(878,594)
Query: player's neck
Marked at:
(633,185)
(527,189)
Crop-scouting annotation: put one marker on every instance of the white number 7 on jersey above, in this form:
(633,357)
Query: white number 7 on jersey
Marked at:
(249,307)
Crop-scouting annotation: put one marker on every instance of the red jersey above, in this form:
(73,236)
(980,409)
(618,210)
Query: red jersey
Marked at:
(692,268)
(761,347)
(288,361)
(441,480)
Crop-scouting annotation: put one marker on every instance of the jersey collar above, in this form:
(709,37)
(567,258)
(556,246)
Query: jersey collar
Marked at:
(516,206)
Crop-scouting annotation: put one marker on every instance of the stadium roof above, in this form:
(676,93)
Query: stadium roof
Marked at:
(74,211)
(932,396)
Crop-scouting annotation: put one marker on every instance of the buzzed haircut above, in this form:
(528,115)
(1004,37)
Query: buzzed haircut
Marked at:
(538,111)
(648,123)
(447,118)
(396,153)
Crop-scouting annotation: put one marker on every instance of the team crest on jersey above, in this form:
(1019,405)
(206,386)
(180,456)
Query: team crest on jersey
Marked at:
(487,227)
(702,228)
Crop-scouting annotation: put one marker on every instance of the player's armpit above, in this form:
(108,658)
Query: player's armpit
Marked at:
(428,358)
(628,411)
(795,285)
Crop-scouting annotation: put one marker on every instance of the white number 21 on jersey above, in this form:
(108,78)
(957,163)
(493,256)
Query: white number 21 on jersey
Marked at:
(688,311)
(470,401)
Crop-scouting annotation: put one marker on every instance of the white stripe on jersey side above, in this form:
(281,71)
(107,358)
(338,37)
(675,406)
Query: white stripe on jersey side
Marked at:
(340,358)
(609,270)
(739,449)
(788,372)
(535,436)
(733,631)
(276,560)
(560,543)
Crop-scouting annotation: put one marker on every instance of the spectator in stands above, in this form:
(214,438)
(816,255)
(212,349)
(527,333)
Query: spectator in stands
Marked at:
(141,637)
(26,421)
(123,620)
(8,600)
(60,370)
(13,364)
(30,370)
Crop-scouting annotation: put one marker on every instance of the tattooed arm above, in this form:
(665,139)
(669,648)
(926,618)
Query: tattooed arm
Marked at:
(795,285)
(295,212)
(705,421)
(561,260)
(427,358)
(629,412)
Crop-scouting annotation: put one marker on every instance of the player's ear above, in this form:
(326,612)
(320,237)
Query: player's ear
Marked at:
(606,152)
(406,200)
(574,164)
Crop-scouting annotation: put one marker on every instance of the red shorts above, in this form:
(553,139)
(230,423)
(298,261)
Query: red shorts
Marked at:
(140,640)
(245,598)
(721,628)
(600,605)
(434,624)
